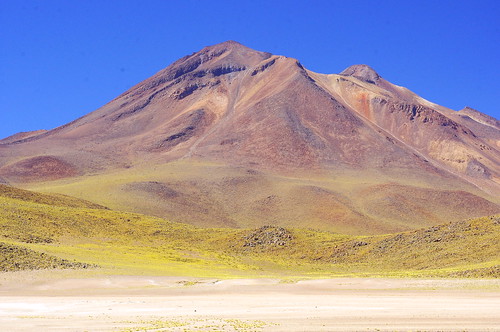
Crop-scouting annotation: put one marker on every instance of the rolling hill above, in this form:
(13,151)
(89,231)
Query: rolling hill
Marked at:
(39,231)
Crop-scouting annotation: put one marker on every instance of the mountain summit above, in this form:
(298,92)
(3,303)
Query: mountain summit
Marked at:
(233,136)
(362,72)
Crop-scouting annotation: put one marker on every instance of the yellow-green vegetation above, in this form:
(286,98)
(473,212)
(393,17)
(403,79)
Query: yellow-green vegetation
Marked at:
(197,324)
(49,199)
(50,231)
(468,248)
(15,258)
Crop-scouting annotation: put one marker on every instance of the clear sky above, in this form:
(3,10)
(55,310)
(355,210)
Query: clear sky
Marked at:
(60,60)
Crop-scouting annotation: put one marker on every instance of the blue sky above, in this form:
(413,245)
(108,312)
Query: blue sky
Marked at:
(60,60)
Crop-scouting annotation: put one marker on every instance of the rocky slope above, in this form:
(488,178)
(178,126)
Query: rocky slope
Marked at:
(350,152)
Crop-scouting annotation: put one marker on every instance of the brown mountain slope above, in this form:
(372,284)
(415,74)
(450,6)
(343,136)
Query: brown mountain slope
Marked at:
(22,136)
(233,136)
(442,136)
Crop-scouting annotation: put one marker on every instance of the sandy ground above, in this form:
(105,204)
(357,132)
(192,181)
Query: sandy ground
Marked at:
(120,303)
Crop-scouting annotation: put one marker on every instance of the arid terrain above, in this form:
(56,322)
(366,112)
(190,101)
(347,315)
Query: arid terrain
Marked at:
(46,230)
(236,190)
(176,304)
(72,265)
(233,137)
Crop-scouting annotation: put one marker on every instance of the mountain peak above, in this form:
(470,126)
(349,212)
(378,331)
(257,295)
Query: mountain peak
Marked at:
(230,45)
(224,57)
(469,109)
(227,45)
(362,72)
(479,117)
(231,52)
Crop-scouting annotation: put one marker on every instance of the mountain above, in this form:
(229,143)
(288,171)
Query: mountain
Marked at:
(230,136)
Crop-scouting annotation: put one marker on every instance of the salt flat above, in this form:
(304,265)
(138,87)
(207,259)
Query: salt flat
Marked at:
(121,303)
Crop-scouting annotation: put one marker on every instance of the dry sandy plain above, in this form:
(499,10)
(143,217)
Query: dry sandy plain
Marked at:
(38,301)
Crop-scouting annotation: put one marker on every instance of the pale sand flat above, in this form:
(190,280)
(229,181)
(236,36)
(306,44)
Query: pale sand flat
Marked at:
(114,303)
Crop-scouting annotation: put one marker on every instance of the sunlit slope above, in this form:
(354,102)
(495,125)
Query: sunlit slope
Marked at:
(216,195)
(17,258)
(234,137)
(465,248)
(47,236)
(48,199)
(128,242)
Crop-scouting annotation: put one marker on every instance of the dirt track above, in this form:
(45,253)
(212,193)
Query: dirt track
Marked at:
(176,304)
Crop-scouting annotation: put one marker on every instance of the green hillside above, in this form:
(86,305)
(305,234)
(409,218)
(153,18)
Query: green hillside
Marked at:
(52,231)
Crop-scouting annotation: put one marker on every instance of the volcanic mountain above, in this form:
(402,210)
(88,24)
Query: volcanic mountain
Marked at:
(230,136)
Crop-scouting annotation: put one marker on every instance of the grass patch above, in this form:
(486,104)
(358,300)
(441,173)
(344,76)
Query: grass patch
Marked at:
(197,324)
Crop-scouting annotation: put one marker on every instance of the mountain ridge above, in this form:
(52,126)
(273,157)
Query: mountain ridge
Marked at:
(255,113)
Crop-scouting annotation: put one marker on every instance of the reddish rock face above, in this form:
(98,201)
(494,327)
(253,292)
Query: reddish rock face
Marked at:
(234,106)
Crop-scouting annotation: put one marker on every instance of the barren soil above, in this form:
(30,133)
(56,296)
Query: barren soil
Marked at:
(39,301)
